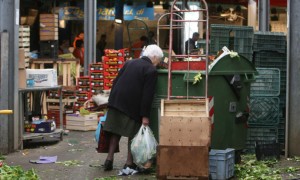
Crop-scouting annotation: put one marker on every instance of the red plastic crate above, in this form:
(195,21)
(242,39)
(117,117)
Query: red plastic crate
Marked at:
(116,53)
(106,87)
(96,67)
(193,65)
(83,96)
(96,90)
(96,75)
(108,82)
(97,83)
(83,81)
(110,75)
(83,88)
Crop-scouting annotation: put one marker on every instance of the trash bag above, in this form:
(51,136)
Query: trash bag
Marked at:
(143,147)
(98,130)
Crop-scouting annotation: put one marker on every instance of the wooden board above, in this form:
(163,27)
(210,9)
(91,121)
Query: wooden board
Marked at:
(46,16)
(48,29)
(184,131)
(185,108)
(81,128)
(48,33)
(182,161)
(46,38)
(50,24)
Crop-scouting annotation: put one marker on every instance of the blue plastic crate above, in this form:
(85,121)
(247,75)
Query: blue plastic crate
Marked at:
(264,111)
(267,82)
(221,163)
(274,41)
(261,134)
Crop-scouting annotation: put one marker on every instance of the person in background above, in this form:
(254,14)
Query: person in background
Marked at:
(80,36)
(79,52)
(63,47)
(137,47)
(152,40)
(190,45)
(130,101)
(100,48)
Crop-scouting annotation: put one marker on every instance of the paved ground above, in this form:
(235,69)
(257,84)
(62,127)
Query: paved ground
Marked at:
(76,146)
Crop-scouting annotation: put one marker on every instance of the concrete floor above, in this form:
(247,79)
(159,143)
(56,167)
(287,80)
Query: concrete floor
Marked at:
(78,146)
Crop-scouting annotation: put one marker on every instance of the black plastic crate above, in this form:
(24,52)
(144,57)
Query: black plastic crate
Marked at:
(267,150)
(261,134)
(270,59)
(48,49)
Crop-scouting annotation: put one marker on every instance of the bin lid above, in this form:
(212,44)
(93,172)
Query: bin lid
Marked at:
(232,65)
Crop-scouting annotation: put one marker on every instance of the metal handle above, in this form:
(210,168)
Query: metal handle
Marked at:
(6,111)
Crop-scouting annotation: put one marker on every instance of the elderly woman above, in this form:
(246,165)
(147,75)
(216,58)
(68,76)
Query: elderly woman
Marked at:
(130,101)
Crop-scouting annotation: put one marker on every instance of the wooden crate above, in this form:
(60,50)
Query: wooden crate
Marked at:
(184,108)
(82,123)
(184,131)
(183,162)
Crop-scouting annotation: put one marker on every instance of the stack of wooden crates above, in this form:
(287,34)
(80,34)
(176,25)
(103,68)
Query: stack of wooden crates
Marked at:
(24,45)
(184,139)
(49,27)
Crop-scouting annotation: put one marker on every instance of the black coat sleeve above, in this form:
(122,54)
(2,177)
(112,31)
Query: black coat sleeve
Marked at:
(148,93)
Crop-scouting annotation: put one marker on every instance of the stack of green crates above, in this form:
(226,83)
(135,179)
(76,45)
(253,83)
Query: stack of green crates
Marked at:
(269,51)
(264,108)
(236,38)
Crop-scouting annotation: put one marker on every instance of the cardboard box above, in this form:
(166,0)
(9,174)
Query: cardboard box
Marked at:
(22,78)
(42,77)
(21,59)
(40,127)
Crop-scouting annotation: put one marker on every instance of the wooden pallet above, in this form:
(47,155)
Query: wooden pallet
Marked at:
(184,139)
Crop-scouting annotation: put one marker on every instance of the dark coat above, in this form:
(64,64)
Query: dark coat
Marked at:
(133,89)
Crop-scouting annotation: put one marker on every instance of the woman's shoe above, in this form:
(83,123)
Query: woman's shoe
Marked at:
(132,166)
(108,165)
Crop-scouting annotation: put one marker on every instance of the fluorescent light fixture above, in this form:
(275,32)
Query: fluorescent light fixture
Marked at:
(119,21)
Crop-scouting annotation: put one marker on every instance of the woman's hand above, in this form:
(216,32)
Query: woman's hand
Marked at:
(145,121)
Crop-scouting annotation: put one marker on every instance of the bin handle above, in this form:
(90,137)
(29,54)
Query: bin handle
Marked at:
(250,77)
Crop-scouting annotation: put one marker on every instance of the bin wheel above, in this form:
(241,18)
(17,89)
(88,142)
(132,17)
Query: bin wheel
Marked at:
(238,157)
(61,136)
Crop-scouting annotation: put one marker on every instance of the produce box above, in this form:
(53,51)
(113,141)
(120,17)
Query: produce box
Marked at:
(40,126)
(82,123)
(42,77)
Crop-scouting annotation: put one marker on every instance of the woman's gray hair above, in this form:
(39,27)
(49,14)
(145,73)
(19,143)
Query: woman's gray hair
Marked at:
(152,51)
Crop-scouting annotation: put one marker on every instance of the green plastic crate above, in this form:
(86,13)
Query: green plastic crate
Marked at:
(264,111)
(267,82)
(274,41)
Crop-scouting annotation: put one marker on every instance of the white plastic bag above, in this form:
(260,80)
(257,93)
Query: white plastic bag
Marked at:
(143,147)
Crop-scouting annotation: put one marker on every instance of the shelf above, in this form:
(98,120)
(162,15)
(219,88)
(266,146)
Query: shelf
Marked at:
(29,136)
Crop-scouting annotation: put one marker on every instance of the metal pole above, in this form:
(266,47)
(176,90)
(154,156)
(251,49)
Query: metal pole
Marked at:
(119,6)
(89,33)
(9,22)
(293,84)
(264,15)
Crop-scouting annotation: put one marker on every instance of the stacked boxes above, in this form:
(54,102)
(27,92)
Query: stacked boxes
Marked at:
(270,52)
(24,43)
(83,94)
(112,63)
(264,108)
(96,78)
(49,36)
(49,27)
